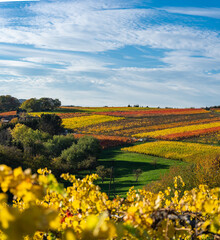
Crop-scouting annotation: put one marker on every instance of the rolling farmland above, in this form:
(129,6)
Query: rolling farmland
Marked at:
(186,135)
(141,150)
(128,124)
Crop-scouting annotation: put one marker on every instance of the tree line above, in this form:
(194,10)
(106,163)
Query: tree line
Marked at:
(9,103)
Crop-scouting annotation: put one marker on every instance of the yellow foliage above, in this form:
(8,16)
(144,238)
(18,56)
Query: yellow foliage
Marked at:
(176,150)
(174,130)
(81,211)
(80,122)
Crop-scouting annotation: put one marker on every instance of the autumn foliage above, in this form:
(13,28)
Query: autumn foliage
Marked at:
(109,141)
(43,209)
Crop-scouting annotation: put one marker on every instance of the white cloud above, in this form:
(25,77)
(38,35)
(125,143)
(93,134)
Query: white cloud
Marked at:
(153,87)
(190,61)
(18,1)
(10,63)
(62,56)
(204,12)
(76,26)
(81,26)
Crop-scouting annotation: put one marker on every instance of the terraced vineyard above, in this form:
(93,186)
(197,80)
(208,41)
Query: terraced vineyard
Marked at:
(186,135)
(118,125)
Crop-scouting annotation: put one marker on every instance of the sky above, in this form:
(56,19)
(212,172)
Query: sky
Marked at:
(153,53)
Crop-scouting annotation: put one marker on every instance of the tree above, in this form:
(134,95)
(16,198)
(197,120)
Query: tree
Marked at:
(49,104)
(137,173)
(72,156)
(50,123)
(103,172)
(31,105)
(55,146)
(11,156)
(86,147)
(89,145)
(88,163)
(30,139)
(42,104)
(8,103)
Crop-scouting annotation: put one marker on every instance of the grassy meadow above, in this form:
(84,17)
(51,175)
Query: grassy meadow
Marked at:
(124,163)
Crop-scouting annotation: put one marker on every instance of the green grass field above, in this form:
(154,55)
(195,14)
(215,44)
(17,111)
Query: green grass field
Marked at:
(124,163)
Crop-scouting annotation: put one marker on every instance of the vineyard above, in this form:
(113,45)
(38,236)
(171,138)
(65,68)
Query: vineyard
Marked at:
(109,120)
(43,209)
(141,149)
(176,150)
(183,133)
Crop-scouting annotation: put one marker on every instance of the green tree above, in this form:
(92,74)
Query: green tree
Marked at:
(8,103)
(49,104)
(11,156)
(55,146)
(30,139)
(72,156)
(86,147)
(50,123)
(42,104)
(89,145)
(31,105)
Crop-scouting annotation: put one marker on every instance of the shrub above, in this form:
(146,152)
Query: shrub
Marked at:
(86,146)
(204,171)
(30,139)
(50,123)
(55,146)
(73,155)
(38,161)
(88,163)
(11,156)
(5,137)
(89,145)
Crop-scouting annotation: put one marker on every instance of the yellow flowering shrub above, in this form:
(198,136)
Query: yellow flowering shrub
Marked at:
(82,211)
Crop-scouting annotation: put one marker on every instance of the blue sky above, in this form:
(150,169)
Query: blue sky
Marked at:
(114,53)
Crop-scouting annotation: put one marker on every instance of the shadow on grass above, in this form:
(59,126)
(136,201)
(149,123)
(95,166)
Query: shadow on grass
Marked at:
(112,152)
(124,164)
(125,168)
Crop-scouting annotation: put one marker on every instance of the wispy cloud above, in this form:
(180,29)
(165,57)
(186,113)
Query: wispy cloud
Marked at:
(204,12)
(77,27)
(2,1)
(69,49)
